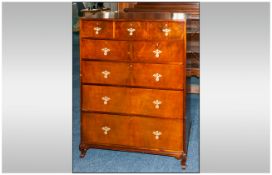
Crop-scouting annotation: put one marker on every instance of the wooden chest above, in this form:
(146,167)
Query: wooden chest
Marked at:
(132,83)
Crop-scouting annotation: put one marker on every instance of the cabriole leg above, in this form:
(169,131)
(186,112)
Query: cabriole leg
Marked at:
(183,161)
(83,149)
(183,164)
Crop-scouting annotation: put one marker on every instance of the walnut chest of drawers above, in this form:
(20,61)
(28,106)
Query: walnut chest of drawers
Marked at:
(133,83)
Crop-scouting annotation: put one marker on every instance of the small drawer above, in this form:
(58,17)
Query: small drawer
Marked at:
(157,103)
(166,30)
(159,52)
(104,49)
(99,72)
(158,134)
(105,99)
(96,29)
(105,129)
(131,30)
(167,76)
(146,133)
(147,102)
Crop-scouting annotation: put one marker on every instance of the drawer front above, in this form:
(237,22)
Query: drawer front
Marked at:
(160,134)
(147,102)
(158,75)
(96,29)
(159,52)
(105,99)
(149,133)
(134,74)
(105,129)
(104,49)
(166,30)
(105,72)
(131,30)
(161,103)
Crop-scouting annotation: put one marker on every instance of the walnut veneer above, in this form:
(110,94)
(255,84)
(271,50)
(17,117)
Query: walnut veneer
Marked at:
(133,76)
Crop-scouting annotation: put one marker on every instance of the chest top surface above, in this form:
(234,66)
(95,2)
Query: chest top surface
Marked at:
(141,16)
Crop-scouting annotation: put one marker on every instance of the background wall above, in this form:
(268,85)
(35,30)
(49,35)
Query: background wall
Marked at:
(234,103)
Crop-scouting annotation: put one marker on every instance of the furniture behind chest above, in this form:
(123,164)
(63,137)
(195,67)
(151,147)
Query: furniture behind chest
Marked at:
(133,81)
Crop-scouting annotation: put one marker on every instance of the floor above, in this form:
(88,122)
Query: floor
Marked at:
(97,160)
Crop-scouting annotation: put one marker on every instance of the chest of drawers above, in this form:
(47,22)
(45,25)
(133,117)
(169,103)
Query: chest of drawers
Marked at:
(133,83)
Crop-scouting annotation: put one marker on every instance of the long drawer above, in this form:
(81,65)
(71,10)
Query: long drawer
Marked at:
(142,51)
(141,132)
(136,101)
(133,74)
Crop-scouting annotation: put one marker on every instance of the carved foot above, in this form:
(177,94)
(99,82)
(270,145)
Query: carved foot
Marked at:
(183,161)
(83,153)
(83,149)
(183,164)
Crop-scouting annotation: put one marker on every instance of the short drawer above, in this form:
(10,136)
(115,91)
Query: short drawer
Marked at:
(99,72)
(131,30)
(134,131)
(146,102)
(161,76)
(104,49)
(96,29)
(159,52)
(166,30)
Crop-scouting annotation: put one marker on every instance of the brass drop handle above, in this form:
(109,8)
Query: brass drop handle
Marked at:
(97,29)
(157,103)
(106,73)
(105,99)
(105,51)
(106,129)
(157,53)
(131,30)
(157,76)
(166,30)
(157,134)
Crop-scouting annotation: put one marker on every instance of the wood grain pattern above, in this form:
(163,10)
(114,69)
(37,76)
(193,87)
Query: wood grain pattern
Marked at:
(87,29)
(156,30)
(133,74)
(122,32)
(191,8)
(141,16)
(133,85)
(122,5)
(145,75)
(171,51)
(92,72)
(132,131)
(92,49)
(133,101)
